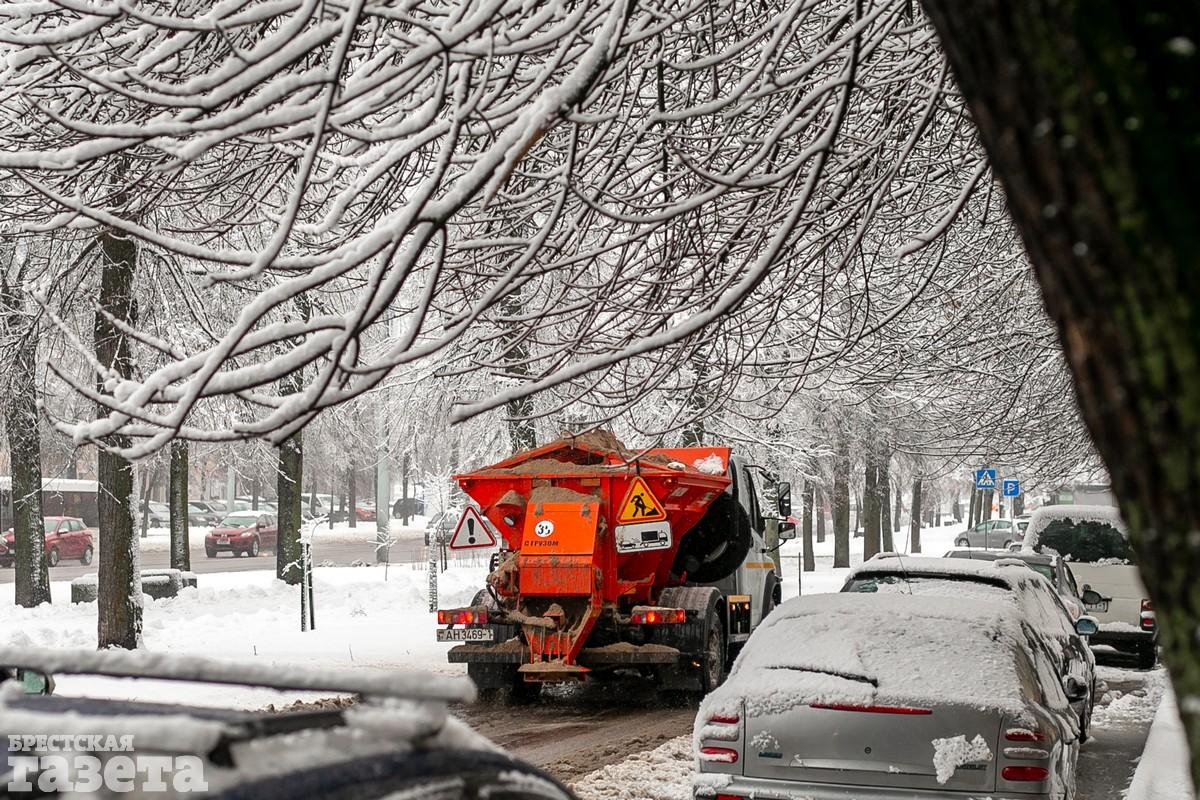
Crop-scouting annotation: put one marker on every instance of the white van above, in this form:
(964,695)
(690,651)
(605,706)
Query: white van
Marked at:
(1094,542)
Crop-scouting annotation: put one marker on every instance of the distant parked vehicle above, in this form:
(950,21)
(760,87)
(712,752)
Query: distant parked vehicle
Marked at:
(62,497)
(1049,566)
(242,533)
(1094,541)
(840,696)
(408,507)
(990,534)
(200,516)
(66,537)
(158,515)
(439,527)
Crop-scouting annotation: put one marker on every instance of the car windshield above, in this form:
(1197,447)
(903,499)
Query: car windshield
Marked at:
(239,521)
(194,507)
(51,525)
(1089,542)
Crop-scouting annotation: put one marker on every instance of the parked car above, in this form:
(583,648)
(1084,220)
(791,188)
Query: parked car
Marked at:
(1049,566)
(440,526)
(158,515)
(990,533)
(201,516)
(66,537)
(1004,580)
(398,740)
(242,533)
(1093,539)
(364,510)
(840,696)
(408,507)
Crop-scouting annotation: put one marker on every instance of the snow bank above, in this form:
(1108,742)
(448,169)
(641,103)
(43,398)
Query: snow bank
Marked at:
(1163,772)
(664,773)
(361,619)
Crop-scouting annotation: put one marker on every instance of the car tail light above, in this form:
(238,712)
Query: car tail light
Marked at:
(725,719)
(1024,773)
(658,616)
(873,709)
(719,755)
(462,616)
(729,797)
(1022,735)
(1148,615)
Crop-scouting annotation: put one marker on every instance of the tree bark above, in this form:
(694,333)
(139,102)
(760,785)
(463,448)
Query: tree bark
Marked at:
(971,515)
(288,482)
(807,527)
(820,503)
(119,593)
(352,502)
(22,427)
(841,503)
(870,503)
(914,526)
(898,508)
(884,491)
(1089,117)
(177,498)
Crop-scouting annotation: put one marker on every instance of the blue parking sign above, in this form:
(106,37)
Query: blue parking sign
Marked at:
(1011,488)
(985,479)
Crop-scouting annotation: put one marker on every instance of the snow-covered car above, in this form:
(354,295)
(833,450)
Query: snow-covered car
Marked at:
(396,740)
(1050,566)
(1094,541)
(66,537)
(439,526)
(840,696)
(1005,580)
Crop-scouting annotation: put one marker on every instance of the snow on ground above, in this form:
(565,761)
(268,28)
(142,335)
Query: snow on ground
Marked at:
(1114,709)
(1163,773)
(364,616)
(664,773)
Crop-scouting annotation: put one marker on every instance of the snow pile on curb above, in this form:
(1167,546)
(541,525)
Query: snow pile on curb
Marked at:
(1163,772)
(664,773)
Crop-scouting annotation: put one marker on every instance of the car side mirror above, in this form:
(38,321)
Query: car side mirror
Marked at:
(33,682)
(1074,688)
(787,531)
(783,491)
(1087,626)
(1091,597)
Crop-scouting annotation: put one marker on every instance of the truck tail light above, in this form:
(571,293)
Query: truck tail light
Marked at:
(462,616)
(1024,773)
(658,616)
(1148,615)
(719,755)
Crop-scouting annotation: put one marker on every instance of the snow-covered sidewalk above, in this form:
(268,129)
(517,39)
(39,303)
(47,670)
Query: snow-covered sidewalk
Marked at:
(1164,770)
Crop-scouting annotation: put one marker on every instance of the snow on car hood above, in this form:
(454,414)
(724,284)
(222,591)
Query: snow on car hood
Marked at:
(861,649)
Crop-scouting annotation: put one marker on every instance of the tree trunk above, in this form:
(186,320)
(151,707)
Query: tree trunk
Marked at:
(288,482)
(914,526)
(22,427)
(119,593)
(841,503)
(870,506)
(807,528)
(884,492)
(177,498)
(352,503)
(820,503)
(856,525)
(956,508)
(971,515)
(146,476)
(898,508)
(989,496)
(1088,114)
(1018,505)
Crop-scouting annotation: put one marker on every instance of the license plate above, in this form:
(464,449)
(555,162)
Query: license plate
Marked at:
(466,635)
(223,540)
(1102,606)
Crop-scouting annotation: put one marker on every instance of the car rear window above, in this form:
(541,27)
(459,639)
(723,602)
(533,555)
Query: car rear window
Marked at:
(1088,542)
(926,585)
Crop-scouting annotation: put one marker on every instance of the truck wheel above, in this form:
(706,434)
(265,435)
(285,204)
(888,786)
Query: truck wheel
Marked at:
(712,665)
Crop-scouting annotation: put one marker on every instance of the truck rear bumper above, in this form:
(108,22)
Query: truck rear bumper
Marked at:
(609,656)
(1122,640)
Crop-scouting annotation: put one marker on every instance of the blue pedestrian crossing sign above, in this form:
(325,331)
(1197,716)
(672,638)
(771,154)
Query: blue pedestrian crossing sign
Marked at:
(1011,488)
(985,479)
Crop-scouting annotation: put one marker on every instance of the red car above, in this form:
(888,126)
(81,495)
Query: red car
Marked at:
(242,532)
(66,537)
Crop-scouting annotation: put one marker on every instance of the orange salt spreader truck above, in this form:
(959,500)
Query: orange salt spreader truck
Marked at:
(651,561)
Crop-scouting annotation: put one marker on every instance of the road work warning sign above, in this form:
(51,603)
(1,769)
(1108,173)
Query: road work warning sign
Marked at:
(640,505)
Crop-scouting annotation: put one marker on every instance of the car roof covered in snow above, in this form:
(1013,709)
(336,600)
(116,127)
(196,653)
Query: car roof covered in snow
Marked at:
(864,649)
(1046,515)
(1004,570)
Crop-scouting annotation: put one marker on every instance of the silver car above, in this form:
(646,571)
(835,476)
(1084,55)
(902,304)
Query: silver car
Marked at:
(992,534)
(856,696)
